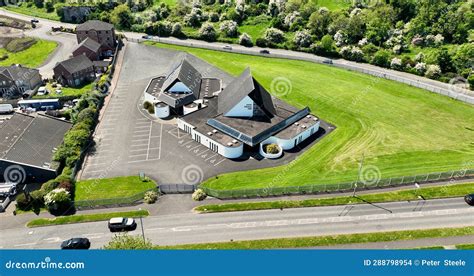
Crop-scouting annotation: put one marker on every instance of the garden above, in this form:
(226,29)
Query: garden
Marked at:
(427,38)
(27,51)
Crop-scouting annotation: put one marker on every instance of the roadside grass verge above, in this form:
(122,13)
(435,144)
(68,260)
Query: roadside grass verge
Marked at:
(32,57)
(330,240)
(110,188)
(84,218)
(465,246)
(411,194)
(401,130)
(33,11)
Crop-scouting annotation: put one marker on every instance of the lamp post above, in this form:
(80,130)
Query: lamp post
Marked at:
(141,224)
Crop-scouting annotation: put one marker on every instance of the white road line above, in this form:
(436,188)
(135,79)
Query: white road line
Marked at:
(194,147)
(138,140)
(211,156)
(140,135)
(161,135)
(149,141)
(219,162)
(137,155)
(138,145)
(138,150)
(25,244)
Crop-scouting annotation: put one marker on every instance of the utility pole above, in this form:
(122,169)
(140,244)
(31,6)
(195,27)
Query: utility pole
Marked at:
(361,164)
(143,231)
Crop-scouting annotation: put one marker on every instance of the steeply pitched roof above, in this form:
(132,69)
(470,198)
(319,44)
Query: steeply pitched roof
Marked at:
(94,25)
(16,72)
(34,139)
(186,73)
(242,86)
(76,64)
(89,44)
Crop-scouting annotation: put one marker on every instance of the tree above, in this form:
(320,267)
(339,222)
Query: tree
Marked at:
(177,30)
(302,39)
(380,21)
(245,40)
(58,201)
(328,46)
(121,17)
(463,59)
(444,61)
(126,241)
(229,28)
(381,58)
(318,23)
(274,35)
(207,32)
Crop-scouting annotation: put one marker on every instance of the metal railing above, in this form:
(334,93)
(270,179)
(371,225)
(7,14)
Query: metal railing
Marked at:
(340,187)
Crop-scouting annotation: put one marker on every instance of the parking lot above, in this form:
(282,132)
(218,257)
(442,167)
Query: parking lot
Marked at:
(128,141)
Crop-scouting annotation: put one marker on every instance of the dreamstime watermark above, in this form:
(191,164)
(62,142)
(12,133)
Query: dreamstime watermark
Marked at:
(45,264)
(192,175)
(280,87)
(370,175)
(14,174)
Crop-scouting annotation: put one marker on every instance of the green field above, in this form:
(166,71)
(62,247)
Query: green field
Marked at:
(401,130)
(457,190)
(109,188)
(32,57)
(66,91)
(33,11)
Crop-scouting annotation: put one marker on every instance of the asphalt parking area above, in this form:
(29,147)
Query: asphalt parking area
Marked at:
(129,141)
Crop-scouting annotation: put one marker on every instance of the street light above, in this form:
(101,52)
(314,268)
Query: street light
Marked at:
(141,224)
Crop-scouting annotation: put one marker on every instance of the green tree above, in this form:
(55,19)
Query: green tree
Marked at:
(444,61)
(381,58)
(380,21)
(121,17)
(463,59)
(126,241)
(318,23)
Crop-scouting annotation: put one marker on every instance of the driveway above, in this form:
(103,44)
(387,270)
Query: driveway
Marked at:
(129,141)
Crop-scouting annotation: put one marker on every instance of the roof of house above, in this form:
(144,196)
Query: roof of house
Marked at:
(31,139)
(94,25)
(16,72)
(76,64)
(186,73)
(242,86)
(89,44)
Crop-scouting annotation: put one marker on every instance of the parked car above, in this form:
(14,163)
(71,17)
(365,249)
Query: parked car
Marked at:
(122,224)
(264,51)
(76,243)
(34,20)
(327,61)
(227,47)
(42,91)
(146,37)
(469,199)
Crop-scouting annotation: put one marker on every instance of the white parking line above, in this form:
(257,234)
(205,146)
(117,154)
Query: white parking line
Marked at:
(140,135)
(149,140)
(138,150)
(211,157)
(138,145)
(219,162)
(136,155)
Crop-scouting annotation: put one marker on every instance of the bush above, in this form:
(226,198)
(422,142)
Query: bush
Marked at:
(49,186)
(22,203)
(302,39)
(229,28)
(245,40)
(177,30)
(261,42)
(381,58)
(433,71)
(199,195)
(58,201)
(128,242)
(207,32)
(274,35)
(146,105)
(271,148)
(150,197)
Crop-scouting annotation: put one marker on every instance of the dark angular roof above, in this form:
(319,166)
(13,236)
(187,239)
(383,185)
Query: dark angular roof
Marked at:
(242,86)
(94,25)
(185,73)
(36,138)
(76,64)
(16,72)
(89,44)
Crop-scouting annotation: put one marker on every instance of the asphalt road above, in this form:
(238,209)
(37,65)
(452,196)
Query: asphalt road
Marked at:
(199,228)
(66,42)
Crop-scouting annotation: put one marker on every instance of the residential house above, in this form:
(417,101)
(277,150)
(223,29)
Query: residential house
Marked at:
(88,47)
(16,80)
(75,71)
(101,32)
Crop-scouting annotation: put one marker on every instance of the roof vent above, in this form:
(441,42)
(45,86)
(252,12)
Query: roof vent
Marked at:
(297,124)
(308,116)
(214,131)
(303,126)
(209,133)
(315,118)
(229,144)
(234,141)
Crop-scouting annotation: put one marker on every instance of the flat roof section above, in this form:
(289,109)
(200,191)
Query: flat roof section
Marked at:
(155,85)
(298,127)
(11,130)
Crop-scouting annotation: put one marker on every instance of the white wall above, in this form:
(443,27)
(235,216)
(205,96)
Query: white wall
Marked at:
(287,144)
(148,98)
(243,109)
(162,112)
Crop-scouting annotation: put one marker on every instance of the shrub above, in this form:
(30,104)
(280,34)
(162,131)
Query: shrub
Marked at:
(420,68)
(245,40)
(274,35)
(22,203)
(199,195)
(229,28)
(433,71)
(261,42)
(207,32)
(470,80)
(381,58)
(177,30)
(37,199)
(128,242)
(49,186)
(146,105)
(302,39)
(150,197)
(151,109)
(58,201)
(272,148)
(396,64)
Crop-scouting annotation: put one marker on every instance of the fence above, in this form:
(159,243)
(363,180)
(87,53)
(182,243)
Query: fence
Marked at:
(177,188)
(407,78)
(342,187)
(111,202)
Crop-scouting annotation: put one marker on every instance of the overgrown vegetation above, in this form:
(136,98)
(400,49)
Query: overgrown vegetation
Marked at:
(125,241)
(384,33)
(26,51)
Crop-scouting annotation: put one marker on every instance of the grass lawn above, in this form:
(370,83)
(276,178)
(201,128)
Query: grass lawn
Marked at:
(332,4)
(465,246)
(428,193)
(33,11)
(401,130)
(85,218)
(66,91)
(32,57)
(109,188)
(330,240)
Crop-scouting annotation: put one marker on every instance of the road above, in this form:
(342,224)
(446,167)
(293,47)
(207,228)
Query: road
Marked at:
(199,228)
(447,89)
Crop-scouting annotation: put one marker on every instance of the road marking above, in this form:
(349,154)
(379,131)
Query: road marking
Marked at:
(161,135)
(25,244)
(211,157)
(136,155)
(219,162)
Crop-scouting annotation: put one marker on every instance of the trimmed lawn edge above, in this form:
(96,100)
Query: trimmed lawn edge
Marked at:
(84,218)
(330,240)
(394,196)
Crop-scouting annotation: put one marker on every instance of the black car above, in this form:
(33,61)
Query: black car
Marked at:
(264,51)
(76,243)
(469,199)
(327,61)
(34,20)
(122,224)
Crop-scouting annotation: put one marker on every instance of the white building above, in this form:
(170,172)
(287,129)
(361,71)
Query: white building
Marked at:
(231,120)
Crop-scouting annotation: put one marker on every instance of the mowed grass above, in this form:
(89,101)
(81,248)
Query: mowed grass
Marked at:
(65,91)
(400,129)
(32,57)
(332,4)
(33,11)
(444,191)
(109,188)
